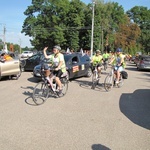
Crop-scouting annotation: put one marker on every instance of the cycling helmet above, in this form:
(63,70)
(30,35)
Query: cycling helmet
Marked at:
(97,51)
(118,50)
(57,47)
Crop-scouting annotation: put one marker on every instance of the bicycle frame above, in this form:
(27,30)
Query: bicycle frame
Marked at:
(95,78)
(110,80)
(95,71)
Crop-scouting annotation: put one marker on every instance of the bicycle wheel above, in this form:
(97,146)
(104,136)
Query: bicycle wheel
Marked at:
(105,66)
(22,64)
(108,83)
(95,80)
(64,82)
(40,93)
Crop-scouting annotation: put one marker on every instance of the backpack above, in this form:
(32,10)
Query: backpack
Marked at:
(124,75)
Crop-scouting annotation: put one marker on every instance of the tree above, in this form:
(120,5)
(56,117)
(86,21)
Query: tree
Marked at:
(74,23)
(127,36)
(45,22)
(68,23)
(107,18)
(140,15)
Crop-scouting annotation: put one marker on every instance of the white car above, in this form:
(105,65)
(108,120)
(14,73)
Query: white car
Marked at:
(26,54)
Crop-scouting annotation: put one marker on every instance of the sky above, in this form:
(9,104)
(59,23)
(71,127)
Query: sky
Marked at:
(12,18)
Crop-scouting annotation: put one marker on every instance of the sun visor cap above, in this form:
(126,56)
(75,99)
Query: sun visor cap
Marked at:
(57,47)
(118,50)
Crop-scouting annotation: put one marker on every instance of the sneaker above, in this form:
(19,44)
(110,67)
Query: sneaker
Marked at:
(117,82)
(60,91)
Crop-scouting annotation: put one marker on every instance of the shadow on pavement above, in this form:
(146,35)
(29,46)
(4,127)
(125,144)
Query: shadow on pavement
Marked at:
(99,147)
(29,101)
(131,68)
(27,92)
(136,107)
(88,84)
(34,80)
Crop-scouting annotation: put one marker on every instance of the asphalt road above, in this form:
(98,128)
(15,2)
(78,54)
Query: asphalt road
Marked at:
(84,119)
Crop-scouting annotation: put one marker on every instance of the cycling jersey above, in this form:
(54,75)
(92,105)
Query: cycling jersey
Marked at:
(97,59)
(105,55)
(118,60)
(55,61)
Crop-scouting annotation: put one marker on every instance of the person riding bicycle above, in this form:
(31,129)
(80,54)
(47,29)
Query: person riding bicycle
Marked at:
(105,58)
(58,62)
(118,62)
(97,61)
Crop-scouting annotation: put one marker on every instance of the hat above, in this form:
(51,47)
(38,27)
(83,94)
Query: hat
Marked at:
(118,50)
(98,51)
(57,47)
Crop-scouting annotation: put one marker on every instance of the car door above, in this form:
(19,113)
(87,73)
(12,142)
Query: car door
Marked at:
(84,64)
(10,67)
(32,62)
(73,66)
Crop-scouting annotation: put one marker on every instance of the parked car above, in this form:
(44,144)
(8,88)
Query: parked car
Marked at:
(136,59)
(133,58)
(34,60)
(26,54)
(144,62)
(10,68)
(77,65)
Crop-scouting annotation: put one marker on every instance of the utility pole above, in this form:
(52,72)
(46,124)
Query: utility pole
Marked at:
(4,32)
(93,5)
(4,40)
(19,45)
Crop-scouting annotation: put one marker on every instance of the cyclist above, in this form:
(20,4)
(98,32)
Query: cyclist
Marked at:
(118,62)
(97,61)
(58,62)
(105,58)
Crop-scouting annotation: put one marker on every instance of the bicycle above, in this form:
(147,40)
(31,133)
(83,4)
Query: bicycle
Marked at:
(110,80)
(22,64)
(95,77)
(44,89)
(105,64)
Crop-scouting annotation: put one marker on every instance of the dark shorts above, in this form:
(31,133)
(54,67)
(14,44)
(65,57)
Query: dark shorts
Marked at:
(58,73)
(97,65)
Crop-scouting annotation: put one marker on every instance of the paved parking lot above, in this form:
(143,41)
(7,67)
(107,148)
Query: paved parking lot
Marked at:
(84,119)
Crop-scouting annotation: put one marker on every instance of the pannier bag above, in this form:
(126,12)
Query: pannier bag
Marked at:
(124,75)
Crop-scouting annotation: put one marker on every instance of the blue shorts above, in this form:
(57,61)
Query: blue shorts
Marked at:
(119,68)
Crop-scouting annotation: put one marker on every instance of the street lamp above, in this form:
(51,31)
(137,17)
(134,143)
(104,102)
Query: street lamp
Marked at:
(93,5)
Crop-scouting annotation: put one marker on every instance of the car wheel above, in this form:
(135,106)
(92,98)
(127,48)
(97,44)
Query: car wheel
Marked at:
(89,72)
(138,69)
(18,75)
